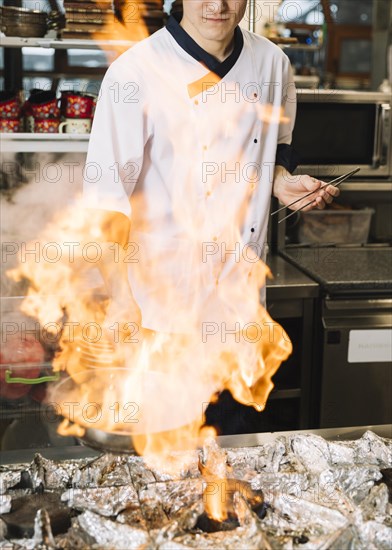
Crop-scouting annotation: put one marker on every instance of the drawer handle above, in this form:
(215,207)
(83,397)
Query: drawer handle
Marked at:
(19,380)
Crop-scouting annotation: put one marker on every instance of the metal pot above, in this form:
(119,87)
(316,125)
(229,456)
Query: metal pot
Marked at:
(113,407)
(23,22)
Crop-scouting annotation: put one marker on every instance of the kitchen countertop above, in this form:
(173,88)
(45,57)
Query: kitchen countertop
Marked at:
(346,433)
(288,282)
(227,441)
(344,269)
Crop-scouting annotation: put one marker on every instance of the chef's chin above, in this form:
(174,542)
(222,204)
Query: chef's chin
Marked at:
(214,29)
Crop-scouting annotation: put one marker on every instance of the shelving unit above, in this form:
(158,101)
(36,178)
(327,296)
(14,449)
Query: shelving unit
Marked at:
(51,142)
(302,47)
(60,44)
(41,143)
(59,143)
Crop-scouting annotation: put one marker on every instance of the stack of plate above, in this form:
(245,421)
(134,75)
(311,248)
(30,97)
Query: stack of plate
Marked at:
(85,18)
(107,19)
(22,22)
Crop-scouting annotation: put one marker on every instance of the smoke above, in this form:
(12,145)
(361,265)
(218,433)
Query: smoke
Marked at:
(35,187)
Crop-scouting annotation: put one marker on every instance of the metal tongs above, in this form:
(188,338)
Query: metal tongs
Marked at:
(336,182)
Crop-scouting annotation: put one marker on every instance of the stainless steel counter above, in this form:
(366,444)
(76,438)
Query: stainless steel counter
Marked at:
(355,432)
(288,282)
(52,453)
(346,270)
(227,441)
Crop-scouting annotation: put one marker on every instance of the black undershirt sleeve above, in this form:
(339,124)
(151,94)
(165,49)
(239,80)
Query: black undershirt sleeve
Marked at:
(287,157)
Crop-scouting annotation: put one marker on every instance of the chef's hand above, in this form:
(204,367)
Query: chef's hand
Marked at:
(288,188)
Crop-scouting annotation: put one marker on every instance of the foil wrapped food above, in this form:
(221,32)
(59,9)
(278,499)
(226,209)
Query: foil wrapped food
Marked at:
(319,495)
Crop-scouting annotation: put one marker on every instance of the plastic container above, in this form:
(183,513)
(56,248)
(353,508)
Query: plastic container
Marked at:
(335,226)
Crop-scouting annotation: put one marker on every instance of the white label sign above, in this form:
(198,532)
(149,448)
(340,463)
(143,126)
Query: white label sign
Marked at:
(367,346)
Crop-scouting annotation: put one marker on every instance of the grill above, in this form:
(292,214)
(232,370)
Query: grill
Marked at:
(318,493)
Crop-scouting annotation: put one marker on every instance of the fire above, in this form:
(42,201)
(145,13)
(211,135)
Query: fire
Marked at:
(220,487)
(214,475)
(154,387)
(127,25)
(169,378)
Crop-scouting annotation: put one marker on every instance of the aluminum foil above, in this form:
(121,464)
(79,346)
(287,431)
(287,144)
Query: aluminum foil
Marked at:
(115,472)
(188,461)
(5,504)
(342,452)
(111,534)
(213,458)
(173,498)
(43,537)
(107,470)
(50,475)
(185,523)
(269,457)
(357,481)
(276,456)
(321,495)
(375,506)
(9,479)
(133,516)
(293,513)
(254,458)
(182,533)
(372,449)
(75,538)
(28,544)
(312,451)
(106,501)
(372,535)
(141,475)
(287,483)
(152,509)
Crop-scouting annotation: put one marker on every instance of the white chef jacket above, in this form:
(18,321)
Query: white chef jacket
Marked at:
(189,156)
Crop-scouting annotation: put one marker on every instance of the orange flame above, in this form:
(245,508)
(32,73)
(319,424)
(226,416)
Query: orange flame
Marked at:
(155,390)
(214,475)
(168,378)
(220,487)
(128,25)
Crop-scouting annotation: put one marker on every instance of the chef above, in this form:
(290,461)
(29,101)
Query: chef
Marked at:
(190,139)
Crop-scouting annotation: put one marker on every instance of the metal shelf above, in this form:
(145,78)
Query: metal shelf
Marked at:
(368,185)
(294,393)
(43,143)
(62,44)
(308,81)
(303,47)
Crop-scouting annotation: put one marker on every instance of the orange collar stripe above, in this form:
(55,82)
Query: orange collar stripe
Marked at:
(205,83)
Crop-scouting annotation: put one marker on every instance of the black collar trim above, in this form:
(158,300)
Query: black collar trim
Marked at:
(192,48)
